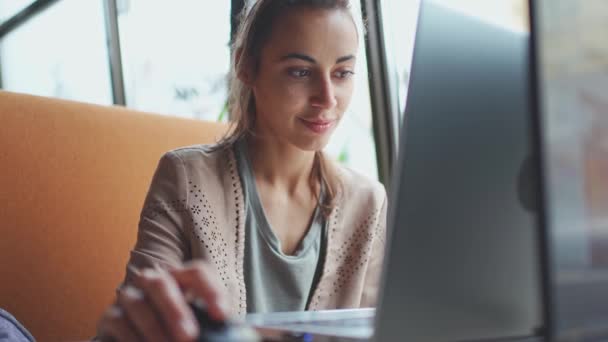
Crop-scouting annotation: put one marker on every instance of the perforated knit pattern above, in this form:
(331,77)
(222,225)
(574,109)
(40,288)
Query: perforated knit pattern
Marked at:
(237,193)
(156,208)
(214,238)
(379,232)
(353,254)
(355,251)
(207,231)
(332,224)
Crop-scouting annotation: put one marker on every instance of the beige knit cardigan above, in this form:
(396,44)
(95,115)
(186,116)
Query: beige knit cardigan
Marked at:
(194,209)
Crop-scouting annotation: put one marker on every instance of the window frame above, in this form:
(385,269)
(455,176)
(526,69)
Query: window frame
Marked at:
(383,85)
(114,54)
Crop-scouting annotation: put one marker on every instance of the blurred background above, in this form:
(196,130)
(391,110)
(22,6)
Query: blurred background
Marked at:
(172,57)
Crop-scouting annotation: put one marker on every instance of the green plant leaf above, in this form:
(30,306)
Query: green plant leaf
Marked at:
(343,157)
(223,113)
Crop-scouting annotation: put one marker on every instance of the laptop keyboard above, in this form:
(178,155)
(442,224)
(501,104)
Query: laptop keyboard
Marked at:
(352,323)
(345,322)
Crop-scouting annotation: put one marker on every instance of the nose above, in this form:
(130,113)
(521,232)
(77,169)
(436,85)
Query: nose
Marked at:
(324,96)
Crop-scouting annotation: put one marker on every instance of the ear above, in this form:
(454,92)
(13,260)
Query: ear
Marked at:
(243,72)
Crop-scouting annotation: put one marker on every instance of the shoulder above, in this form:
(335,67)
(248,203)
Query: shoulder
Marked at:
(358,188)
(199,158)
(183,173)
(210,153)
(355,183)
(197,164)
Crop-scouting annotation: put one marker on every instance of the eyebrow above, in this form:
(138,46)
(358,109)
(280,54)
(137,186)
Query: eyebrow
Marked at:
(312,60)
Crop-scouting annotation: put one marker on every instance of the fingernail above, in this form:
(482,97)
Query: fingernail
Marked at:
(133,293)
(189,328)
(148,273)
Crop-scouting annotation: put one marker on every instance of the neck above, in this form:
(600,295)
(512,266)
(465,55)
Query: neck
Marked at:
(281,166)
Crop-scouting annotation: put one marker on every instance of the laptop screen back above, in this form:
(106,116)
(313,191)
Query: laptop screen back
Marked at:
(463,261)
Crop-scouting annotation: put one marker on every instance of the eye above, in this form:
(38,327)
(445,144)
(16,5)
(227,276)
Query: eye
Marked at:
(299,73)
(343,74)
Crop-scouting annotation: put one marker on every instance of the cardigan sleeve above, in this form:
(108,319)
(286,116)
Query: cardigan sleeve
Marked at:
(161,238)
(372,280)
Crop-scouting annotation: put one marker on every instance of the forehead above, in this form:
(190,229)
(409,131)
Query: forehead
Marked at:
(320,33)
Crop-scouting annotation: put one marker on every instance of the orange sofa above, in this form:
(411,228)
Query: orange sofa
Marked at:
(73,177)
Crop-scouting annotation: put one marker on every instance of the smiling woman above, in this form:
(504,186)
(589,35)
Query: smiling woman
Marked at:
(261,221)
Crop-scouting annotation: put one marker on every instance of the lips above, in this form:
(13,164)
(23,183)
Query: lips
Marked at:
(318,126)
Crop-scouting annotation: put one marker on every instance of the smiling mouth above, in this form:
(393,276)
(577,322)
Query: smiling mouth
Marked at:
(318,126)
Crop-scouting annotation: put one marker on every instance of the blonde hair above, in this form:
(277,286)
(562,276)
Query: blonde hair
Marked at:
(256,23)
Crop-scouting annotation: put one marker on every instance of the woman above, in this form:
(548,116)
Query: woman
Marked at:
(261,221)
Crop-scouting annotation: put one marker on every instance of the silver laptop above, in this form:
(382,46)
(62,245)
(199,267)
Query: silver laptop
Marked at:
(463,261)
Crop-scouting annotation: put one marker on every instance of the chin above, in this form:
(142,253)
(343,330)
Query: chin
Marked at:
(312,144)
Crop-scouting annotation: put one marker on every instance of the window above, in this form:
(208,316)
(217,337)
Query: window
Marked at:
(400,19)
(176,56)
(8,8)
(61,52)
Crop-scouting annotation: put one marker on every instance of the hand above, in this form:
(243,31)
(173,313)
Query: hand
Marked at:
(155,307)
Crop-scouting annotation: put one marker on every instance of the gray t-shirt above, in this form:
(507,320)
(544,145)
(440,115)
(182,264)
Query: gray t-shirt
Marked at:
(274,281)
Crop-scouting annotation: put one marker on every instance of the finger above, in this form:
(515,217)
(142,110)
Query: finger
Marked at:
(167,298)
(200,279)
(114,326)
(141,314)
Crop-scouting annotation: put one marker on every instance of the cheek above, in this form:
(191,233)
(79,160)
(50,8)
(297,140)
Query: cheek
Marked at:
(291,92)
(279,94)
(344,95)
(278,103)
(290,98)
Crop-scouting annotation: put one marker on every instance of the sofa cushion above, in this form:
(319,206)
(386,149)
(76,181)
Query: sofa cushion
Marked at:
(73,177)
